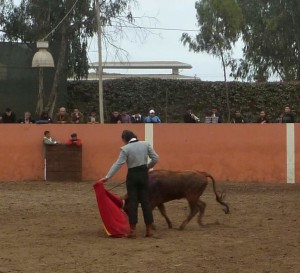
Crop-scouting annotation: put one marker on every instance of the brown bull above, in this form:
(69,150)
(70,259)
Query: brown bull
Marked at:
(165,186)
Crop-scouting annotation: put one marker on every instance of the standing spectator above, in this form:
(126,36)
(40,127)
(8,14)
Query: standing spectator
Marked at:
(137,118)
(92,118)
(279,118)
(288,116)
(189,117)
(115,118)
(125,118)
(8,116)
(26,119)
(208,118)
(48,139)
(44,118)
(238,118)
(262,118)
(62,116)
(76,116)
(73,140)
(152,118)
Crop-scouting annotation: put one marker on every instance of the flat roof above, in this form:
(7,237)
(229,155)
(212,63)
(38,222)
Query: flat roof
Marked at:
(143,65)
(94,76)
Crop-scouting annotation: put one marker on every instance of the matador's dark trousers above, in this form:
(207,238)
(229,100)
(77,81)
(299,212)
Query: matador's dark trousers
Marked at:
(137,190)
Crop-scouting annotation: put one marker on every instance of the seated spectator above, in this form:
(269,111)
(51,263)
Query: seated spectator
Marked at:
(26,119)
(238,118)
(115,117)
(152,118)
(288,116)
(216,116)
(74,140)
(92,118)
(125,118)
(76,116)
(262,118)
(189,117)
(137,118)
(44,118)
(48,140)
(62,116)
(8,116)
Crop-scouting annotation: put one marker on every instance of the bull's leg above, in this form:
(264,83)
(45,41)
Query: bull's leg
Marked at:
(201,206)
(193,211)
(163,212)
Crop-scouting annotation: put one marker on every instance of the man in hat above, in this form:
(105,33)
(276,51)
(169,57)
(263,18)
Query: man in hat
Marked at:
(152,118)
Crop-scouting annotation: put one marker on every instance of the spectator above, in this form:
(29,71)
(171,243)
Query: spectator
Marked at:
(262,118)
(26,119)
(115,117)
(279,118)
(92,118)
(238,118)
(189,117)
(8,116)
(208,118)
(76,116)
(44,118)
(216,117)
(137,118)
(62,116)
(288,116)
(125,118)
(74,140)
(48,140)
(152,118)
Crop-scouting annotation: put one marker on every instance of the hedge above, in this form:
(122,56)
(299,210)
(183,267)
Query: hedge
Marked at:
(169,98)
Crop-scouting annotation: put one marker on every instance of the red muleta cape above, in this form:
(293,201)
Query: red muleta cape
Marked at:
(115,220)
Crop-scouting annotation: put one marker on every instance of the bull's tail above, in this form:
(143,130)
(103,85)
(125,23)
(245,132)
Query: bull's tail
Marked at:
(220,197)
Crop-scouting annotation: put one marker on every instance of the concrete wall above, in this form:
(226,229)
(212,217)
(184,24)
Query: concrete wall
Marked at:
(230,152)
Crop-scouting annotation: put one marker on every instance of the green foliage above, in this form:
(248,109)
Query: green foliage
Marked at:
(219,22)
(170,98)
(272,40)
(66,23)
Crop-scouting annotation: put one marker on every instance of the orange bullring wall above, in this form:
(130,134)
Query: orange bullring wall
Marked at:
(230,152)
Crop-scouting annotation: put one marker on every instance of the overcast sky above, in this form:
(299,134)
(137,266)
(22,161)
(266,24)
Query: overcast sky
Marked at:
(163,45)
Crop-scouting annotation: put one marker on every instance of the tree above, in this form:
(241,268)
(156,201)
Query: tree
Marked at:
(220,22)
(68,23)
(271,37)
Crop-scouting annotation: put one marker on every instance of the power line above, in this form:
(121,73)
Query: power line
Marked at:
(154,28)
(54,29)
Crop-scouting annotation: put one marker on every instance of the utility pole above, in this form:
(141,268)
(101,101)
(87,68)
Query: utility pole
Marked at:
(100,65)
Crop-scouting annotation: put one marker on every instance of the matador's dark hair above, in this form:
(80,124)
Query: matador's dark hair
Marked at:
(127,135)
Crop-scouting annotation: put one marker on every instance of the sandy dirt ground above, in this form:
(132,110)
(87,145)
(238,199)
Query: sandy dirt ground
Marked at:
(55,227)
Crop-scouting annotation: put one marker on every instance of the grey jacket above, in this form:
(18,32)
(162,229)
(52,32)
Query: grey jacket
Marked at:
(49,141)
(134,154)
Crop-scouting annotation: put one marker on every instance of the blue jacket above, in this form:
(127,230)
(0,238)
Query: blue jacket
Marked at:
(154,119)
